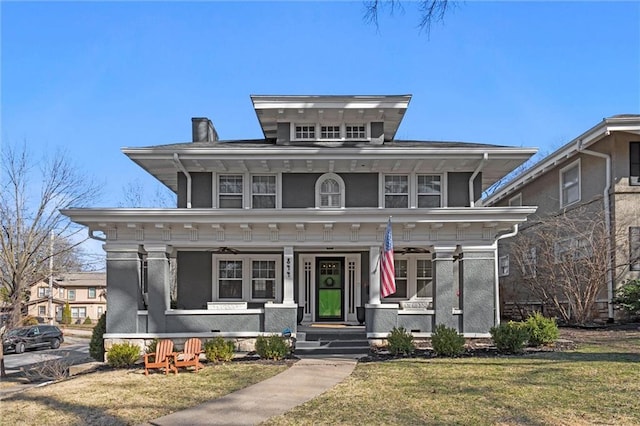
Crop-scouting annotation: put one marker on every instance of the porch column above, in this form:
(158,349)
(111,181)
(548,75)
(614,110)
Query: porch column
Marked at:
(444,288)
(124,294)
(374,277)
(289,273)
(477,277)
(158,280)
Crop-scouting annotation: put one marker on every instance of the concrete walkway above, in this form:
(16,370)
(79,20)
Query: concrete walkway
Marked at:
(305,380)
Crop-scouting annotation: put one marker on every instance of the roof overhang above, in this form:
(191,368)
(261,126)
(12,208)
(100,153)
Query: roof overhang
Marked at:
(337,108)
(628,124)
(226,158)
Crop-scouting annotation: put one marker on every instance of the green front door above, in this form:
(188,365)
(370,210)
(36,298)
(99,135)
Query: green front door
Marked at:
(329,289)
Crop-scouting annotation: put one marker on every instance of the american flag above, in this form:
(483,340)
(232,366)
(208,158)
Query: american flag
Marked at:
(388,277)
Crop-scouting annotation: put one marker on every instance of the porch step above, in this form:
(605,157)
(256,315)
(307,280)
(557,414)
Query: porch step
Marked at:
(332,341)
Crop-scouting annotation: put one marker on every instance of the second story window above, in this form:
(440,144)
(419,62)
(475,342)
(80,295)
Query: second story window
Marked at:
(429,191)
(329,132)
(634,163)
(263,192)
(43,291)
(230,192)
(570,184)
(92,292)
(330,191)
(396,191)
(71,295)
(307,131)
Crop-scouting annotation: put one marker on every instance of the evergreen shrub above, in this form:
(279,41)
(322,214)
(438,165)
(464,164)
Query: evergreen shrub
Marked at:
(219,350)
(541,330)
(447,341)
(510,337)
(400,342)
(272,347)
(123,355)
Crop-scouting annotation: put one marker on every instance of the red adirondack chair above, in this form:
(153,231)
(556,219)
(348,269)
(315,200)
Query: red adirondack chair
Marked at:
(190,356)
(161,358)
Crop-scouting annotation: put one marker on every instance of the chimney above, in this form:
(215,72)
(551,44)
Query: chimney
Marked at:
(202,130)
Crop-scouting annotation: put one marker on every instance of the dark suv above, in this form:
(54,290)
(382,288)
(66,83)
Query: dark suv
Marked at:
(33,336)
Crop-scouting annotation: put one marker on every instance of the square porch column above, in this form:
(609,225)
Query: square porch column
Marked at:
(124,293)
(158,283)
(477,277)
(445,285)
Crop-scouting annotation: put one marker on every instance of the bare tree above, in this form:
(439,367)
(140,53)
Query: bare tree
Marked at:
(135,195)
(431,11)
(563,262)
(32,191)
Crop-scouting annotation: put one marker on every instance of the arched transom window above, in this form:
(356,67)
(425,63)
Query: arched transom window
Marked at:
(330,191)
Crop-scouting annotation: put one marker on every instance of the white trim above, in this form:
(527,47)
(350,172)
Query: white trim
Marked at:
(561,173)
(276,204)
(247,276)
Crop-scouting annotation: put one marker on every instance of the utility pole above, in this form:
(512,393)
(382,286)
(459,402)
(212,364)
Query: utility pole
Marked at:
(50,307)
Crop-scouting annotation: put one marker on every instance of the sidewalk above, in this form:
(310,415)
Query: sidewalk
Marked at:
(305,380)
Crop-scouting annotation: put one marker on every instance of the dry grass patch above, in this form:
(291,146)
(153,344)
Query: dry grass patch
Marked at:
(125,397)
(597,384)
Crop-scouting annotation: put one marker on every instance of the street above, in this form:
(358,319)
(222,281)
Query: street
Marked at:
(74,350)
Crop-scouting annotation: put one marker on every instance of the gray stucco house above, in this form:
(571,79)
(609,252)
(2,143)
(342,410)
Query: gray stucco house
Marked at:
(289,227)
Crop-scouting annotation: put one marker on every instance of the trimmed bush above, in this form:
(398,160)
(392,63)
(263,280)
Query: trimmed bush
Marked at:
(400,342)
(510,337)
(123,355)
(87,321)
(66,314)
(219,350)
(96,345)
(447,342)
(541,330)
(272,347)
(628,297)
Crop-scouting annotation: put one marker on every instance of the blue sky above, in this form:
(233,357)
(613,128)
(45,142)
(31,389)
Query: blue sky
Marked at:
(93,77)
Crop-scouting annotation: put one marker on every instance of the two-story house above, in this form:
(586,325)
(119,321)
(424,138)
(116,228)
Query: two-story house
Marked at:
(84,291)
(289,227)
(593,178)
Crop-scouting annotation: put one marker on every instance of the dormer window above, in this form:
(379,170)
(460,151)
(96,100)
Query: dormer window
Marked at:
(307,131)
(329,132)
(356,131)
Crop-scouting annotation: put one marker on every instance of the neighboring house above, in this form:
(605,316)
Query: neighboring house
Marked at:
(291,226)
(598,174)
(84,291)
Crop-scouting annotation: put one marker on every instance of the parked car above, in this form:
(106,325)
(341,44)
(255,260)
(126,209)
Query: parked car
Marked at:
(34,336)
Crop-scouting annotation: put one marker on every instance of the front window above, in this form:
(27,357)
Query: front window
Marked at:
(263,192)
(424,278)
(400,266)
(429,191)
(571,249)
(529,261)
(79,312)
(43,291)
(263,279)
(634,248)
(634,163)
(92,292)
(355,131)
(396,191)
(330,132)
(306,131)
(42,311)
(71,295)
(570,184)
(230,192)
(230,279)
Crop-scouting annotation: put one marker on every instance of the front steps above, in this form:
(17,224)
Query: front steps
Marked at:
(331,340)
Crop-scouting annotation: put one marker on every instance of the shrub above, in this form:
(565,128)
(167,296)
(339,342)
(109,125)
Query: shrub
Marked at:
(219,349)
(628,297)
(87,321)
(541,330)
(123,355)
(509,337)
(272,347)
(96,346)
(400,342)
(29,320)
(66,314)
(446,341)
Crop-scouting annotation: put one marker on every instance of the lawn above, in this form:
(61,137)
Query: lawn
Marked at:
(598,383)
